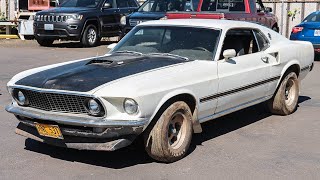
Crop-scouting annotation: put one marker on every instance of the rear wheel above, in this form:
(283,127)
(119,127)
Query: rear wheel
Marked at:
(90,37)
(169,139)
(44,42)
(286,99)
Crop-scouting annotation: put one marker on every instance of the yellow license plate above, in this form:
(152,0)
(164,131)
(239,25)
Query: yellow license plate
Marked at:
(52,131)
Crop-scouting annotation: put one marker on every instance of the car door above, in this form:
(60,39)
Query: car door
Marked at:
(242,79)
(108,18)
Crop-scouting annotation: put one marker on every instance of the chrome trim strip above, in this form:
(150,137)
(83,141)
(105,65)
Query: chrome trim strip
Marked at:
(72,119)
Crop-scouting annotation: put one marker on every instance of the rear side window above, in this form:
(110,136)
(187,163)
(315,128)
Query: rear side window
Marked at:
(223,5)
(314,17)
(262,41)
(126,3)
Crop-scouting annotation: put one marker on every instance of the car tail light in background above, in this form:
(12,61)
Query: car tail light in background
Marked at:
(297,29)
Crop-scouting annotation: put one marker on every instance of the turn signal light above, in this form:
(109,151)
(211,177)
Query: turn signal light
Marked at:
(297,29)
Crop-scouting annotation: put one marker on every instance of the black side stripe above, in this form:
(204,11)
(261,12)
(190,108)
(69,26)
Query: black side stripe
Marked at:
(226,93)
(305,68)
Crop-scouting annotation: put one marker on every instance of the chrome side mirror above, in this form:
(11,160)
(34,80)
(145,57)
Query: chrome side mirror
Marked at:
(107,5)
(229,53)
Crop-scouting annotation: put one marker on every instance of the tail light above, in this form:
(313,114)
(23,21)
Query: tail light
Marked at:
(297,29)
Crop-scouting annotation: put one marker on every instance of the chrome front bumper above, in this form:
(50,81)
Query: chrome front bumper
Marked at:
(72,119)
(79,131)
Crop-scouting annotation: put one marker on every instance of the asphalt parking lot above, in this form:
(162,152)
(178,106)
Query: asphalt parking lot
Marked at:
(246,144)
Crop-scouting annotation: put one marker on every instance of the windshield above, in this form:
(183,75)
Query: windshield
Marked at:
(169,5)
(188,42)
(314,17)
(80,3)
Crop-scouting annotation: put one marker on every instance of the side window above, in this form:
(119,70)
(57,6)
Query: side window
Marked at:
(262,41)
(241,40)
(126,3)
(132,3)
(223,5)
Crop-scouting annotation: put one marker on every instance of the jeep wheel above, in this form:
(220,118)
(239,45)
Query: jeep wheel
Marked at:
(169,139)
(45,42)
(90,37)
(285,100)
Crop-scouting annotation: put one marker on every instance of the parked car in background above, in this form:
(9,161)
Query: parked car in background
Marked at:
(308,30)
(161,80)
(84,20)
(243,10)
(157,9)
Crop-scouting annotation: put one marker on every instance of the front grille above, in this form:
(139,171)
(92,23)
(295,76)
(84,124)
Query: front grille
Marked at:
(134,22)
(63,103)
(52,18)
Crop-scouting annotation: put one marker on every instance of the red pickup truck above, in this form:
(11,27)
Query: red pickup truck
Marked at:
(243,10)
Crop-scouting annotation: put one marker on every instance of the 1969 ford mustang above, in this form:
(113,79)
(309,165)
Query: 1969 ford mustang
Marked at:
(161,81)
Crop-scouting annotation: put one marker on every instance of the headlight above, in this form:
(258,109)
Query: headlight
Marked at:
(75,17)
(20,98)
(130,106)
(123,20)
(94,107)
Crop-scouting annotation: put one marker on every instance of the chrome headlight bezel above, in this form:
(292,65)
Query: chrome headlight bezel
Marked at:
(90,103)
(130,106)
(20,97)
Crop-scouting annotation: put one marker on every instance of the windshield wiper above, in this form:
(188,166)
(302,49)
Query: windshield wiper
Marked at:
(171,55)
(128,52)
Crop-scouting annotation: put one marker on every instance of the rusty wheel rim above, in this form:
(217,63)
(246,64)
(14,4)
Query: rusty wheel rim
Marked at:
(177,130)
(290,92)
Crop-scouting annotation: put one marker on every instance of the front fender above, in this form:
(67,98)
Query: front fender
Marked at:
(172,94)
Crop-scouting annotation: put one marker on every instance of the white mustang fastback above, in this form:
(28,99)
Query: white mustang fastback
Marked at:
(162,80)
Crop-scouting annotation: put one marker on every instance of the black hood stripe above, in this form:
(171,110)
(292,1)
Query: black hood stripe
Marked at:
(86,75)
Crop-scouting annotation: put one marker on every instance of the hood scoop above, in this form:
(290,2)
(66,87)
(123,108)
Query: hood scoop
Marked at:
(115,60)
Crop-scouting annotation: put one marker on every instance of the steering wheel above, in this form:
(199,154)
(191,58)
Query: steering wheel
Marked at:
(201,48)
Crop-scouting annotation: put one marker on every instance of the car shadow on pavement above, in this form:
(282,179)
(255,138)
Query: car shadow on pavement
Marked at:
(73,44)
(135,154)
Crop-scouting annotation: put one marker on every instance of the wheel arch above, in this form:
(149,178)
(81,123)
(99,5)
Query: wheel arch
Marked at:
(179,95)
(292,66)
(94,21)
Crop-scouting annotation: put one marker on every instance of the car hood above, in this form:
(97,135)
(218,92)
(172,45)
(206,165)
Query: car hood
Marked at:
(65,10)
(147,15)
(86,75)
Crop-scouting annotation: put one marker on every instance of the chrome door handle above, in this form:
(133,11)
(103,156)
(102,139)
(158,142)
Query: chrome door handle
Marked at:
(265,59)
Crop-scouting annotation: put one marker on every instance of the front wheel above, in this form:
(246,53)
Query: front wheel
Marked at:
(169,139)
(285,100)
(90,37)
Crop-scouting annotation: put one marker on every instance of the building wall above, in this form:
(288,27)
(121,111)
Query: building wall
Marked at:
(281,9)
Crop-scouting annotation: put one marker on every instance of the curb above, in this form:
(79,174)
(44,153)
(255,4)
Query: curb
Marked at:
(3,36)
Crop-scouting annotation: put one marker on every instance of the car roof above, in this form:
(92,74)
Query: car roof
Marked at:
(210,23)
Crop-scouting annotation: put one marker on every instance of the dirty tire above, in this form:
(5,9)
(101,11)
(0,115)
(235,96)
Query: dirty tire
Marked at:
(285,100)
(169,139)
(45,42)
(90,36)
